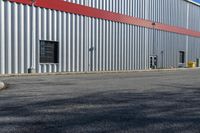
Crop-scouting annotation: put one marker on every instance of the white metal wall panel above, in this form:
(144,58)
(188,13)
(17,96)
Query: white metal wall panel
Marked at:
(90,44)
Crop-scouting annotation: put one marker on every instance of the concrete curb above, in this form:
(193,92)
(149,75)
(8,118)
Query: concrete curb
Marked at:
(95,72)
(3,85)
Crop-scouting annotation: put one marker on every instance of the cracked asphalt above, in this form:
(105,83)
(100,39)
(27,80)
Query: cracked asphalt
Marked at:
(135,102)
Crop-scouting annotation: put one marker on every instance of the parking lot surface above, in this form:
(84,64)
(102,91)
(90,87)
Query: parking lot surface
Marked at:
(141,102)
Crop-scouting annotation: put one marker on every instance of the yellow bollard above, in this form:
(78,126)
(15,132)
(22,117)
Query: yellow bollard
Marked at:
(191,64)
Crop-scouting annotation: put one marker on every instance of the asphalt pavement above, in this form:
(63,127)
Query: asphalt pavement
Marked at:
(134,102)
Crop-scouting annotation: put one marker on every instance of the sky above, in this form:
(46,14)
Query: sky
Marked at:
(197,1)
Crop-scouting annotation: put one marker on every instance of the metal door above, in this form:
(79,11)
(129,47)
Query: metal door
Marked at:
(153,62)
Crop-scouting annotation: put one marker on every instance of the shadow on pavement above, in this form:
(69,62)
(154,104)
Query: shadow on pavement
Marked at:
(110,111)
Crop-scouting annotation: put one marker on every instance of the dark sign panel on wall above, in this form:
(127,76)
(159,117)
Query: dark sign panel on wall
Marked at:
(49,52)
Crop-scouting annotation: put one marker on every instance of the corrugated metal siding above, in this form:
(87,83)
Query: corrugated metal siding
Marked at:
(172,12)
(89,44)
(194,15)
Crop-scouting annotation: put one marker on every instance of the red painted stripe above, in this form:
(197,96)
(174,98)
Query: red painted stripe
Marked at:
(69,7)
(27,2)
(91,12)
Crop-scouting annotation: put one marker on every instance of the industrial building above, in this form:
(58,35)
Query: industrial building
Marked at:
(48,36)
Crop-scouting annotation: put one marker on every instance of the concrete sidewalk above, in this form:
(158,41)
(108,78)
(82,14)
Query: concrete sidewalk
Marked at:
(98,72)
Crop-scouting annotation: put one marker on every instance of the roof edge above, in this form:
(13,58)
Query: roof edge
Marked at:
(193,2)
